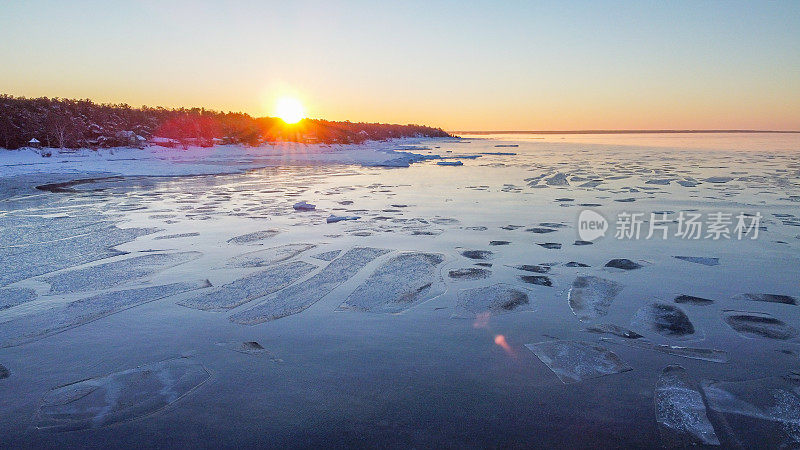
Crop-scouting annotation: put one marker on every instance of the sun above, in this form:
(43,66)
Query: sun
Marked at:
(289,109)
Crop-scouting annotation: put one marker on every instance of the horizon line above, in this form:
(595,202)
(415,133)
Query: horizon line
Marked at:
(664,131)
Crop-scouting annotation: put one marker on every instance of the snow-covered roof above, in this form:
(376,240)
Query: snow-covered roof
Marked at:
(125,134)
(162,140)
(34,141)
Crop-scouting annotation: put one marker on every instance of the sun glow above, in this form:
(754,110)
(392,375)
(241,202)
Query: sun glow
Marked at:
(289,109)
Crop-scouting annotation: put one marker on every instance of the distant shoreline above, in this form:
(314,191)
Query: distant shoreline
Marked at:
(623,131)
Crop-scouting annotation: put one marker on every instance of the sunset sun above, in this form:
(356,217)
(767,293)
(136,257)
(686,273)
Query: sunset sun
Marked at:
(290,110)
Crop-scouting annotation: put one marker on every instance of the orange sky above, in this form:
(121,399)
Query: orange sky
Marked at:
(479,66)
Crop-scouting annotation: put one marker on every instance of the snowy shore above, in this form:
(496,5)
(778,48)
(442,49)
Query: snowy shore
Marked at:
(164,161)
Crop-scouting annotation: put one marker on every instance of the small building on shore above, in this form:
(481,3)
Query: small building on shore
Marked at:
(163,142)
(34,143)
(131,139)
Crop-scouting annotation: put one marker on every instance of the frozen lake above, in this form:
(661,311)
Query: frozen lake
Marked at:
(456,306)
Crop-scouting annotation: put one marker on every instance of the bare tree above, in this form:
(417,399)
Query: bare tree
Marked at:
(60,126)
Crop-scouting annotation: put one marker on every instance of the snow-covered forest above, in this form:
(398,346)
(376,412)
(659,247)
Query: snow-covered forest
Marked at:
(67,123)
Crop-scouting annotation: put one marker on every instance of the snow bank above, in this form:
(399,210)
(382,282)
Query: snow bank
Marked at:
(162,161)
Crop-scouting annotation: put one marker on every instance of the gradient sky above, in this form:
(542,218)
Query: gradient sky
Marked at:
(459,65)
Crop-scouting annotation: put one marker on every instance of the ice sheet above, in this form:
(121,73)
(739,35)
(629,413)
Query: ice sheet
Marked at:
(43,323)
(590,297)
(11,297)
(19,263)
(401,283)
(491,300)
(760,325)
(680,411)
(108,275)
(469,273)
(120,396)
(253,286)
(763,412)
(254,237)
(300,296)
(327,256)
(664,319)
(575,361)
(270,256)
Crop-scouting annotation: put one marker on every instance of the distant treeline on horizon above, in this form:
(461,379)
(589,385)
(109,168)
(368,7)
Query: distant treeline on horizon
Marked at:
(66,123)
(622,131)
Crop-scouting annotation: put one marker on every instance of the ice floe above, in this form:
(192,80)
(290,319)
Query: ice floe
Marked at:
(768,298)
(680,411)
(590,297)
(761,325)
(298,297)
(269,256)
(469,273)
(718,180)
(304,206)
(540,230)
(120,396)
(762,413)
(327,256)
(108,275)
(704,354)
(575,264)
(692,300)
(664,319)
(540,280)
(10,297)
(616,330)
(550,245)
(492,300)
(706,261)
(250,287)
(535,268)
(38,258)
(624,264)
(477,254)
(575,361)
(252,348)
(334,218)
(255,236)
(47,322)
(176,236)
(558,179)
(404,281)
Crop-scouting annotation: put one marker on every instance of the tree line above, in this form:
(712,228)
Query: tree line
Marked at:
(67,123)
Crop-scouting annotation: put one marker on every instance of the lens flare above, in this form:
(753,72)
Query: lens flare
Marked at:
(501,341)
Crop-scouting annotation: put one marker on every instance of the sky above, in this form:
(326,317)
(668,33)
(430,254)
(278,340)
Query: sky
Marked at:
(460,65)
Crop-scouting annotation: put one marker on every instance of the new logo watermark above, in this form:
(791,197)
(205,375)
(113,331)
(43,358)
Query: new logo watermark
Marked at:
(663,225)
(591,225)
